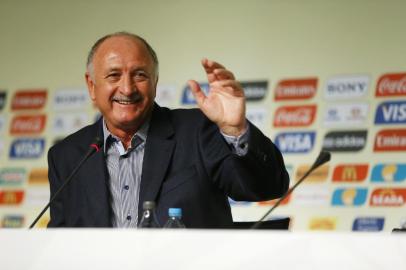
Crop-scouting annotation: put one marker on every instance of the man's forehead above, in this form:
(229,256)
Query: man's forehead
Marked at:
(119,49)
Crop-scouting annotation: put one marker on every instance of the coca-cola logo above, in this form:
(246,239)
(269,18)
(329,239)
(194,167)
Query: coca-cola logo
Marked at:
(27,124)
(393,84)
(299,116)
(294,89)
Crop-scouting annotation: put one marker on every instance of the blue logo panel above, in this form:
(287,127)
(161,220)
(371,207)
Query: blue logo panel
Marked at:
(392,112)
(187,96)
(349,196)
(295,142)
(27,148)
(388,173)
(370,224)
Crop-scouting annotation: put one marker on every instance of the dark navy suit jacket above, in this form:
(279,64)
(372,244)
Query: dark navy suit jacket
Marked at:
(187,164)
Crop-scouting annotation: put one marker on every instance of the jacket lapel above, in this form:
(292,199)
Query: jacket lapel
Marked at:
(157,156)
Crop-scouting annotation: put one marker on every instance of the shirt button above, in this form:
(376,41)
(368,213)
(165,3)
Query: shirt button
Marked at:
(128,217)
(126,187)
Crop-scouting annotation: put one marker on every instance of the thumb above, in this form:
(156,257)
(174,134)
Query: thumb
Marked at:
(197,92)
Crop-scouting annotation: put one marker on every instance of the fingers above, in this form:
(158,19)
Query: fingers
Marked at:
(197,92)
(230,87)
(216,71)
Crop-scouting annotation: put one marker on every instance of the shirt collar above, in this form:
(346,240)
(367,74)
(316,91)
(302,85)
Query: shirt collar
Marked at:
(142,133)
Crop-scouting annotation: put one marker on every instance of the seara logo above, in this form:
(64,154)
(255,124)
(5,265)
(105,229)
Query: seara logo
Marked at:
(295,142)
(11,197)
(345,141)
(350,173)
(295,116)
(12,176)
(388,173)
(349,196)
(2,99)
(368,224)
(392,197)
(354,114)
(255,91)
(296,89)
(323,224)
(27,124)
(29,99)
(187,96)
(392,112)
(346,87)
(27,148)
(12,221)
(317,176)
(390,140)
(391,85)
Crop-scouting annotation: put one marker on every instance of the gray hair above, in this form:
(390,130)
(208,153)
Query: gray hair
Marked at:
(92,52)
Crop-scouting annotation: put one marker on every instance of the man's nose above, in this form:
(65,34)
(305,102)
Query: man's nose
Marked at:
(127,85)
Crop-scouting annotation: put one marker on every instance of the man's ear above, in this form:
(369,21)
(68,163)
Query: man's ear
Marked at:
(90,86)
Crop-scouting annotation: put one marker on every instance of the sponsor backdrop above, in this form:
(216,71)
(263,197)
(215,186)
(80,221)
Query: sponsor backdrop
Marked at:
(316,75)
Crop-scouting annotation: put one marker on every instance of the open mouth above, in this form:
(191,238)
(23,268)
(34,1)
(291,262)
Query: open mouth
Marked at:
(127,101)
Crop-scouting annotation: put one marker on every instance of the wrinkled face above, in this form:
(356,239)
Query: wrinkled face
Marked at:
(122,83)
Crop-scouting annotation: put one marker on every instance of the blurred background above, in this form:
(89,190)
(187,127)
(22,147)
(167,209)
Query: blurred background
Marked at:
(317,74)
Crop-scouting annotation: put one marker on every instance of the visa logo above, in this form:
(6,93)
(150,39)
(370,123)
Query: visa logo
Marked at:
(187,96)
(295,142)
(369,224)
(349,196)
(389,173)
(27,148)
(391,113)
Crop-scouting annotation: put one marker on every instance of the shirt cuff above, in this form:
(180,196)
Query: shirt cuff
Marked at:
(238,144)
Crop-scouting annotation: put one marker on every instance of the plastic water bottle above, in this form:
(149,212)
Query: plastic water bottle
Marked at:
(175,218)
(149,219)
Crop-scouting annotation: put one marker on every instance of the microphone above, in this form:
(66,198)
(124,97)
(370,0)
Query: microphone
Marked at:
(323,157)
(95,147)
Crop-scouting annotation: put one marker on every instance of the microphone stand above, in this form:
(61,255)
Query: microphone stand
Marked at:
(323,157)
(94,147)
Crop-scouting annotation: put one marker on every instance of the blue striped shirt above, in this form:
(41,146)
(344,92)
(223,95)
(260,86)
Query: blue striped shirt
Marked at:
(125,168)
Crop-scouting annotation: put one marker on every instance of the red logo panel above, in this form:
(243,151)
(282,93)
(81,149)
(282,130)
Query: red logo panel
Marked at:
(390,140)
(29,99)
(27,124)
(296,89)
(350,173)
(388,197)
(294,116)
(11,197)
(390,85)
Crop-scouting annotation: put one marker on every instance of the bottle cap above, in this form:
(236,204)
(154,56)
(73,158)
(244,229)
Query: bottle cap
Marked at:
(175,212)
(148,205)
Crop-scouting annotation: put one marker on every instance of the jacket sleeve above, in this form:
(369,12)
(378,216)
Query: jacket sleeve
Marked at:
(259,175)
(56,208)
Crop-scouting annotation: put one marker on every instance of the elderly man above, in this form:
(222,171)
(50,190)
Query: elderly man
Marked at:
(192,159)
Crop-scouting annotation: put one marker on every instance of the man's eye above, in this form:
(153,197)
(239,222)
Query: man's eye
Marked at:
(140,75)
(113,75)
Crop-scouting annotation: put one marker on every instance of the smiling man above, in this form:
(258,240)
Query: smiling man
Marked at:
(191,159)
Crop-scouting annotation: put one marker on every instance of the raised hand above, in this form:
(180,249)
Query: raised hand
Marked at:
(225,102)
